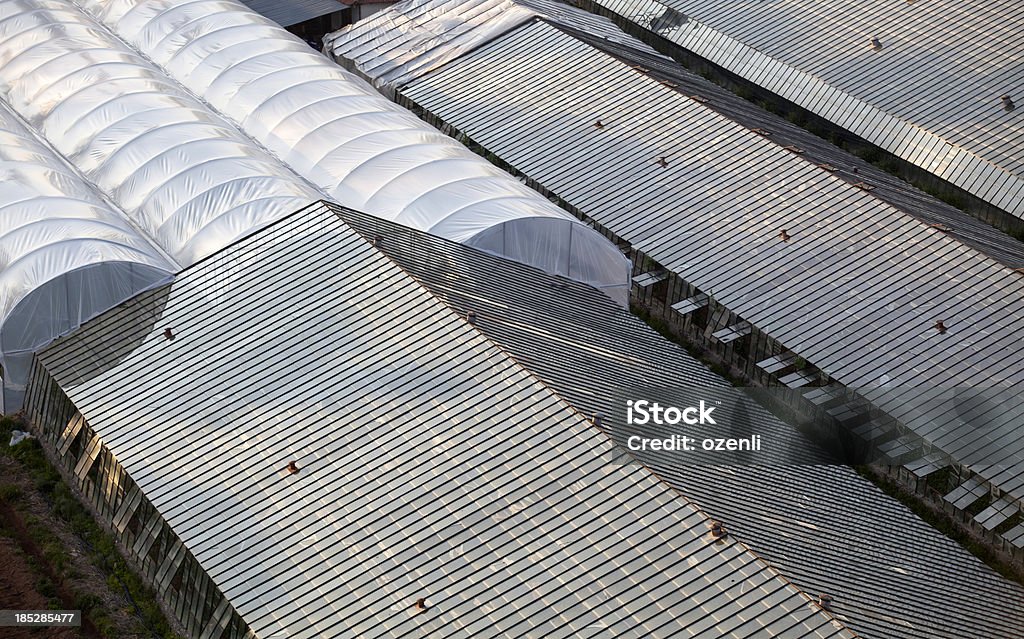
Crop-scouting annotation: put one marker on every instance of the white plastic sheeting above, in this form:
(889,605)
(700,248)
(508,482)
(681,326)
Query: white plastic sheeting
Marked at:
(186,177)
(65,254)
(340,133)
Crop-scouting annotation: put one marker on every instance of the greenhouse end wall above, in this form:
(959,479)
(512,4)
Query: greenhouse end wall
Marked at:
(186,592)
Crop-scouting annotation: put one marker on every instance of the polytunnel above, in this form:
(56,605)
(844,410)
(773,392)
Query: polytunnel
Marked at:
(182,173)
(66,255)
(365,151)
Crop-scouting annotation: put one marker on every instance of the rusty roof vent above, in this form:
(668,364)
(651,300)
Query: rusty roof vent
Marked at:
(168,333)
(717,529)
(940,327)
(876,44)
(1008,104)
(598,124)
(784,236)
(421,604)
(292,468)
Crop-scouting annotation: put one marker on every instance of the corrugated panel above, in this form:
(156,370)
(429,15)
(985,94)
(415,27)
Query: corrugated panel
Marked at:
(289,12)
(940,69)
(823,526)
(795,139)
(857,288)
(431,464)
(409,39)
(414,37)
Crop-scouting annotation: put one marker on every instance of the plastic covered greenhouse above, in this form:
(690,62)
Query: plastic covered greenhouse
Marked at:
(125,179)
(116,176)
(367,153)
(186,176)
(67,254)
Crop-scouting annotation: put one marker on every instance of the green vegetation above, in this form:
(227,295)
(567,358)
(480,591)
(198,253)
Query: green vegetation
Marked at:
(662,327)
(102,551)
(943,522)
(942,481)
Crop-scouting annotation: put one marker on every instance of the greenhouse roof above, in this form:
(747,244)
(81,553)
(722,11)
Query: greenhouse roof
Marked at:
(932,82)
(432,465)
(822,525)
(844,280)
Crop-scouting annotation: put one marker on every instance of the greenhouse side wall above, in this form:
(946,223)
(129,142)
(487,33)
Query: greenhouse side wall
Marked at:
(185,591)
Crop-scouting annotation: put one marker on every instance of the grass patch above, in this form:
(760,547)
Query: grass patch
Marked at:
(942,522)
(10,494)
(662,328)
(102,549)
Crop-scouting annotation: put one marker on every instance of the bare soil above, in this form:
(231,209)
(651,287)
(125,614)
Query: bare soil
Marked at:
(28,567)
(18,592)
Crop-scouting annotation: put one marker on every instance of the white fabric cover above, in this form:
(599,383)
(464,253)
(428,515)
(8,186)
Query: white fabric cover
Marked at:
(66,255)
(185,176)
(339,132)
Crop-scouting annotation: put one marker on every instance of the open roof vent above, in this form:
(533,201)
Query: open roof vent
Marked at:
(168,333)
(717,530)
(1008,104)
(663,162)
(940,326)
(876,44)
(421,604)
(292,468)
(471,317)
(598,124)
(825,601)
(784,236)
